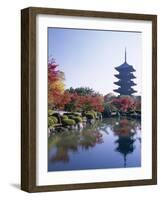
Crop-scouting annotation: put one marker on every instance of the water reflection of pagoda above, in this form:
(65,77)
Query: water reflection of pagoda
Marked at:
(125,146)
(125,77)
(125,141)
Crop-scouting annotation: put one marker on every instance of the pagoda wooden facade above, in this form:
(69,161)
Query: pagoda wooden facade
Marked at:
(125,77)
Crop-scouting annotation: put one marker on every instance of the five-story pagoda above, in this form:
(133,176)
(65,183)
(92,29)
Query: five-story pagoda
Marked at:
(125,77)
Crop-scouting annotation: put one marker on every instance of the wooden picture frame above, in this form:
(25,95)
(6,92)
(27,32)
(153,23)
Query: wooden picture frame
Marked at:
(28,98)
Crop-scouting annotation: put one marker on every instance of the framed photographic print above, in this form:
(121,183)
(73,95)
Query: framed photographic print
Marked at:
(89,99)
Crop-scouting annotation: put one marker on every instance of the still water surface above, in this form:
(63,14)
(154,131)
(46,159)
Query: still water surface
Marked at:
(110,143)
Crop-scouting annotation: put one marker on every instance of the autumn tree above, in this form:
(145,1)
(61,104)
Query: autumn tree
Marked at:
(55,83)
(124,104)
(84,99)
(78,99)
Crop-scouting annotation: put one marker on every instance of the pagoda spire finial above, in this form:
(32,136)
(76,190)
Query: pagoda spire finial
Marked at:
(125,54)
(125,77)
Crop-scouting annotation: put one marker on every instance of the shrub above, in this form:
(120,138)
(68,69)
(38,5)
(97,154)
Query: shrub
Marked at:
(52,121)
(94,113)
(68,122)
(58,116)
(50,112)
(107,109)
(89,115)
(55,114)
(71,116)
(99,114)
(77,119)
(76,114)
(64,117)
(68,113)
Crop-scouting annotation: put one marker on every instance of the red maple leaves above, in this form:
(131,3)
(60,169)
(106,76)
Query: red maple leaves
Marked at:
(59,98)
(125,103)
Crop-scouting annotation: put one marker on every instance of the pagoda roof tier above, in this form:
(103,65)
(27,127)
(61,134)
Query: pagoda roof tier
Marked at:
(125,76)
(126,83)
(125,67)
(124,91)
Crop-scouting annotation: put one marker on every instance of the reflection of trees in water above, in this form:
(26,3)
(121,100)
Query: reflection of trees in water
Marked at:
(90,139)
(63,143)
(92,134)
(125,130)
(71,141)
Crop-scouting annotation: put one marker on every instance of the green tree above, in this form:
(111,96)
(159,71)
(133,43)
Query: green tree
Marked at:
(82,91)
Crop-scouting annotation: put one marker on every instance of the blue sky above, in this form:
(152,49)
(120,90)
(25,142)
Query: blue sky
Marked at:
(89,57)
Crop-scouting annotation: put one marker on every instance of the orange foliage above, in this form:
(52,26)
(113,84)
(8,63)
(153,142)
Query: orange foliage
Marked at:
(55,83)
(58,97)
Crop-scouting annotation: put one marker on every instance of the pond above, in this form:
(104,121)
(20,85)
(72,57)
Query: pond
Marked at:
(110,143)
